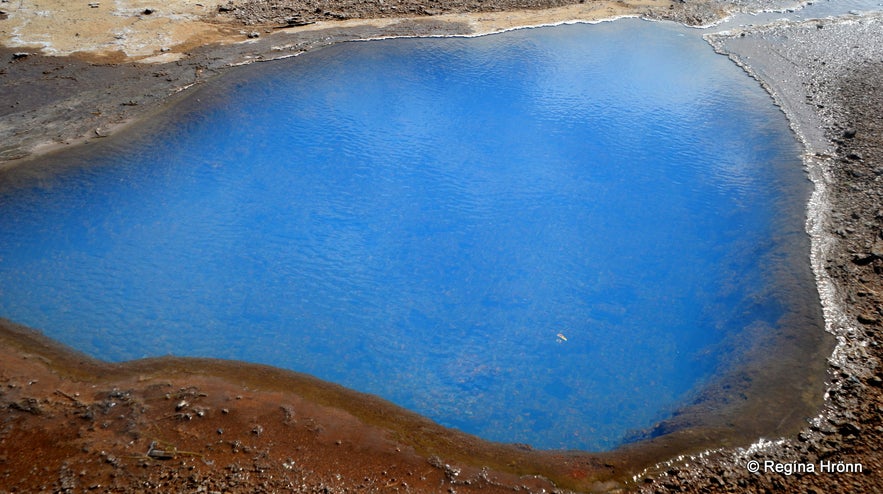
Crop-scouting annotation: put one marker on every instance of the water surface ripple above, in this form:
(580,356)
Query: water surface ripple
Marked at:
(552,236)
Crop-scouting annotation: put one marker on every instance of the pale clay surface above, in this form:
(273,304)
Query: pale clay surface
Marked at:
(120,29)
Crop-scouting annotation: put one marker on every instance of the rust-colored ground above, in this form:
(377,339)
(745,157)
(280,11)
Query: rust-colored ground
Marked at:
(71,424)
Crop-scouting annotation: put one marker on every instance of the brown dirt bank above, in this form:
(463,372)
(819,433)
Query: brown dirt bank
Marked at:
(71,424)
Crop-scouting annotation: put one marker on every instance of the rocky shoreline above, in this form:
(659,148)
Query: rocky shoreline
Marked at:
(826,75)
(829,81)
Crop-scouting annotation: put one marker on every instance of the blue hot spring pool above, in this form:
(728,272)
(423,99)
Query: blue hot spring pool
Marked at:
(551,236)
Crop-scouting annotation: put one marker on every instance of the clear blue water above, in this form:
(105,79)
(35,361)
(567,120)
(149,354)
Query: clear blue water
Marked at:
(549,236)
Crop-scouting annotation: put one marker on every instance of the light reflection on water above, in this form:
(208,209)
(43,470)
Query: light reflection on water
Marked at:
(549,236)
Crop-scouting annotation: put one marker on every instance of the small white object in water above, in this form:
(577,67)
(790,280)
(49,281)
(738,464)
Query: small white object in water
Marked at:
(561,338)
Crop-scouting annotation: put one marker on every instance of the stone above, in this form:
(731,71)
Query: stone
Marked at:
(868,319)
(849,428)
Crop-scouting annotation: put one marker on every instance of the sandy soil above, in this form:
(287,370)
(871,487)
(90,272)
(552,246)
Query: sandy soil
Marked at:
(71,72)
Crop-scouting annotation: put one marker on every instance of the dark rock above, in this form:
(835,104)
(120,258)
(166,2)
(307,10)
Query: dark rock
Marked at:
(297,21)
(849,428)
(864,259)
(29,405)
(148,11)
(20,55)
(868,319)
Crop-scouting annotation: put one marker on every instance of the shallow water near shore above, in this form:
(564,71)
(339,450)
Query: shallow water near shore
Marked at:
(553,236)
